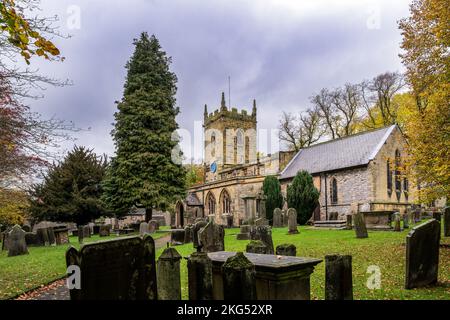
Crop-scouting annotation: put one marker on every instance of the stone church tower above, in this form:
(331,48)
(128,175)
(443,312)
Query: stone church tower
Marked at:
(230,138)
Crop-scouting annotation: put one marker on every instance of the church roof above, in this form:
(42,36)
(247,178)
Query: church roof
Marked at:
(351,151)
(193,200)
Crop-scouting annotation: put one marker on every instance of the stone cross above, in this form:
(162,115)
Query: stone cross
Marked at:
(338,277)
(360,226)
(238,276)
(286,250)
(200,276)
(422,255)
(119,269)
(211,237)
(17,245)
(168,275)
(277,218)
(292,221)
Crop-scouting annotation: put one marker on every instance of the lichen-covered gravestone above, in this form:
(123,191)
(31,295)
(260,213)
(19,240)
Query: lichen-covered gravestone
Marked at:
(422,255)
(195,229)
(338,277)
(200,276)
(211,237)
(277,218)
(286,250)
(153,225)
(360,225)
(119,269)
(406,220)
(256,246)
(292,221)
(168,271)
(17,245)
(239,282)
(261,222)
(263,233)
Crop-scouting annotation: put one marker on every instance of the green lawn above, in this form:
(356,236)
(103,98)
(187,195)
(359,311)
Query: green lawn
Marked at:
(384,249)
(43,265)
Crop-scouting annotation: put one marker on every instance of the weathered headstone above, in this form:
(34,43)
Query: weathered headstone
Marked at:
(119,269)
(51,236)
(447,222)
(177,236)
(239,281)
(245,232)
(61,234)
(211,237)
(360,226)
(86,231)
(263,233)
(292,221)
(277,218)
(338,277)
(200,277)
(16,242)
(256,246)
(406,220)
(397,226)
(153,226)
(286,250)
(188,234)
(105,230)
(195,229)
(143,228)
(261,222)
(80,235)
(349,224)
(42,234)
(168,275)
(422,255)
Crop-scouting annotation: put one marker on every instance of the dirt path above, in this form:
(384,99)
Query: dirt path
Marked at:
(57,290)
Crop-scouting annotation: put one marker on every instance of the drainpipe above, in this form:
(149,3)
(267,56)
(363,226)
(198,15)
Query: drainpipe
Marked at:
(326,197)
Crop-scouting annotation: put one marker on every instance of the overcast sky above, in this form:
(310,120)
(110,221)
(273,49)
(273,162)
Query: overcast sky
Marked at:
(278,52)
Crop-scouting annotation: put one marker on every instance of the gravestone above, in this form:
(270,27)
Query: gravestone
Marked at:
(261,222)
(61,234)
(447,222)
(286,250)
(348,224)
(338,277)
(277,218)
(397,226)
(86,231)
(360,226)
(119,269)
(263,233)
(200,276)
(80,235)
(168,275)
(406,220)
(105,230)
(143,228)
(239,282)
(422,254)
(195,229)
(51,236)
(42,234)
(211,237)
(256,246)
(292,221)
(188,234)
(177,236)
(245,232)
(17,245)
(153,226)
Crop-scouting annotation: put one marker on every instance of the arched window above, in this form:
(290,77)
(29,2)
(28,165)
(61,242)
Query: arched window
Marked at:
(213,144)
(406,188)
(225,201)
(247,149)
(398,181)
(389,177)
(334,191)
(211,203)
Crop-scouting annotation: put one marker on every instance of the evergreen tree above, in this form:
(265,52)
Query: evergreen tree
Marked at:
(272,192)
(302,196)
(71,190)
(142,173)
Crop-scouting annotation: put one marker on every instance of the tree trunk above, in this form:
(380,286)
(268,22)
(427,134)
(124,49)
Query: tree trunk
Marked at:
(148,214)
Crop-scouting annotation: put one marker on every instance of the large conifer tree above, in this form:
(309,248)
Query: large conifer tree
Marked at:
(142,173)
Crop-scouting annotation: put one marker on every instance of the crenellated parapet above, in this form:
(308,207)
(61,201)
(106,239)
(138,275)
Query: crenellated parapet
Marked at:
(225,112)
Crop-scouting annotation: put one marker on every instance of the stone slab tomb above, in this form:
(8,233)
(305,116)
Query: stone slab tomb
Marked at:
(119,269)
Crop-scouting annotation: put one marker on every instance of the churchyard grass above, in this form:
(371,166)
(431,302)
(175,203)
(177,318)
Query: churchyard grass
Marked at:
(385,249)
(42,266)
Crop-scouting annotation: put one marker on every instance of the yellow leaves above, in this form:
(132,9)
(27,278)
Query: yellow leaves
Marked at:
(27,40)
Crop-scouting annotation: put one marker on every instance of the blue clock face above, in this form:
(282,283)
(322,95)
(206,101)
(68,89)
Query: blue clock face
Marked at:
(213,167)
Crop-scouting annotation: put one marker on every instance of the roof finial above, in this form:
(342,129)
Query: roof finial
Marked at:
(223,106)
(254,107)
